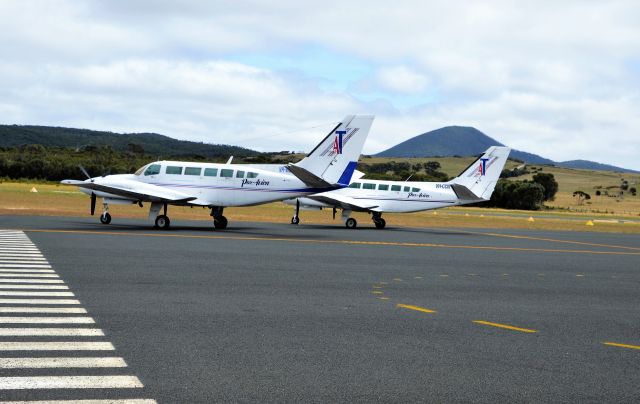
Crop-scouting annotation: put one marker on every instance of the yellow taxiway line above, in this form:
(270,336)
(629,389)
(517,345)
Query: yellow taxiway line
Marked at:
(416,308)
(508,327)
(622,345)
(349,242)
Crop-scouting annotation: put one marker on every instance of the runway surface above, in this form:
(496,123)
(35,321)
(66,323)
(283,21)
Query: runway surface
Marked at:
(267,312)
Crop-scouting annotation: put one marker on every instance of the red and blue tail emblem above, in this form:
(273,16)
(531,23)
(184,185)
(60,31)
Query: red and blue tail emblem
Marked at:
(482,169)
(337,142)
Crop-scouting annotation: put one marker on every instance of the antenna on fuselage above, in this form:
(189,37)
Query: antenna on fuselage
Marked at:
(409,177)
(229,161)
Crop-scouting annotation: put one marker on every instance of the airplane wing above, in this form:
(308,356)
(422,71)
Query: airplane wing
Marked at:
(345,202)
(135,191)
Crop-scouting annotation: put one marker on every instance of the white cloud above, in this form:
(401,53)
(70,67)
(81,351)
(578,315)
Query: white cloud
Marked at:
(553,78)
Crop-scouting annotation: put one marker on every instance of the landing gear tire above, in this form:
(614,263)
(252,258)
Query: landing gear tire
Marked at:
(162,222)
(295,220)
(380,223)
(220,223)
(351,223)
(105,218)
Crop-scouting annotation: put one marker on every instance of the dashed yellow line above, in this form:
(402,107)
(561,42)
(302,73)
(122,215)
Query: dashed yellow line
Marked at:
(622,345)
(508,327)
(416,308)
(349,242)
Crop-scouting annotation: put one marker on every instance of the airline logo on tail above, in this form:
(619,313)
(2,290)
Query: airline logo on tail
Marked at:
(337,142)
(482,169)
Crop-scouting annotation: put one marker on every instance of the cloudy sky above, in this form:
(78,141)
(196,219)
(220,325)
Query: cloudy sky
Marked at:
(556,78)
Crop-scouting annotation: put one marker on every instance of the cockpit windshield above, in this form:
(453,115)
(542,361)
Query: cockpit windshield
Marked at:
(140,170)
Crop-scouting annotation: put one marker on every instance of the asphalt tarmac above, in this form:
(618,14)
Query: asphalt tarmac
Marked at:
(268,312)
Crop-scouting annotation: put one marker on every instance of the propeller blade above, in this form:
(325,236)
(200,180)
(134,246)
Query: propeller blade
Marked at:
(93,203)
(334,213)
(84,171)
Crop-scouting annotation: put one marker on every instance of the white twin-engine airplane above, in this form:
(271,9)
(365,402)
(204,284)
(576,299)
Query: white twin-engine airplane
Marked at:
(475,184)
(328,166)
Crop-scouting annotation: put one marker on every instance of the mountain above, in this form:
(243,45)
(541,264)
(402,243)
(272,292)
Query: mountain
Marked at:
(468,141)
(152,143)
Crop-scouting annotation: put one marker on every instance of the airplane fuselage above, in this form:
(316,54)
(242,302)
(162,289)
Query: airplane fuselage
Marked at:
(210,184)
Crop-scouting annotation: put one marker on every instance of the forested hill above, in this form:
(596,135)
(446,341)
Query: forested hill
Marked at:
(151,144)
(468,141)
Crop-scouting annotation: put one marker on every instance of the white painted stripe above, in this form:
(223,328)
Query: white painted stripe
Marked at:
(24,275)
(20,280)
(56,346)
(69,382)
(66,310)
(16,257)
(23,293)
(34,248)
(32,286)
(123,401)
(16,244)
(39,301)
(28,271)
(25,266)
(51,332)
(42,363)
(46,320)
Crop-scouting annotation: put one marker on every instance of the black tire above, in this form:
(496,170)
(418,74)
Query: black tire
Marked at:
(295,220)
(351,223)
(380,223)
(105,218)
(220,223)
(162,222)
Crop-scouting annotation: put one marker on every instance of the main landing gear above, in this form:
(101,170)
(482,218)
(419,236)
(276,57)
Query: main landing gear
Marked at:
(296,213)
(162,221)
(378,221)
(219,221)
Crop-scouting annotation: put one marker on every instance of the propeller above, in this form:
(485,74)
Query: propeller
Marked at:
(93,203)
(84,171)
(334,213)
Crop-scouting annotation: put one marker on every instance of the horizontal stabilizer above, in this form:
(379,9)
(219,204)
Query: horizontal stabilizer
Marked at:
(310,179)
(464,194)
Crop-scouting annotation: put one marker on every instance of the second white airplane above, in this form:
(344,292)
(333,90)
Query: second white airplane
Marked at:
(475,184)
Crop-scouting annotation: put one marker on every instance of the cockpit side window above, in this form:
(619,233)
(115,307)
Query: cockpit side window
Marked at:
(354,185)
(153,169)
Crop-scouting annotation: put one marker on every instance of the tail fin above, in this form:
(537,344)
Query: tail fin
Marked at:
(333,161)
(481,176)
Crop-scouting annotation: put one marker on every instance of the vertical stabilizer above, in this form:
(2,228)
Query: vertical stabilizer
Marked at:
(334,159)
(482,175)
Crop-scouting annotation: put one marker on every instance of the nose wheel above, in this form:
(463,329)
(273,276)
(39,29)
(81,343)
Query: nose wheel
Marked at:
(351,223)
(105,218)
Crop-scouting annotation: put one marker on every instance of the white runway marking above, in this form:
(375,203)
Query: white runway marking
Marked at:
(41,363)
(38,271)
(56,346)
(66,310)
(69,382)
(51,332)
(33,286)
(46,320)
(39,301)
(23,275)
(25,281)
(22,293)
(35,305)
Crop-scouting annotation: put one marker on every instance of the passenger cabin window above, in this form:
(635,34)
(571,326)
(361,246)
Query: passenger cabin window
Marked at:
(368,186)
(153,169)
(383,187)
(226,173)
(252,175)
(355,185)
(407,189)
(396,188)
(210,172)
(192,171)
(415,189)
(240,174)
(173,170)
